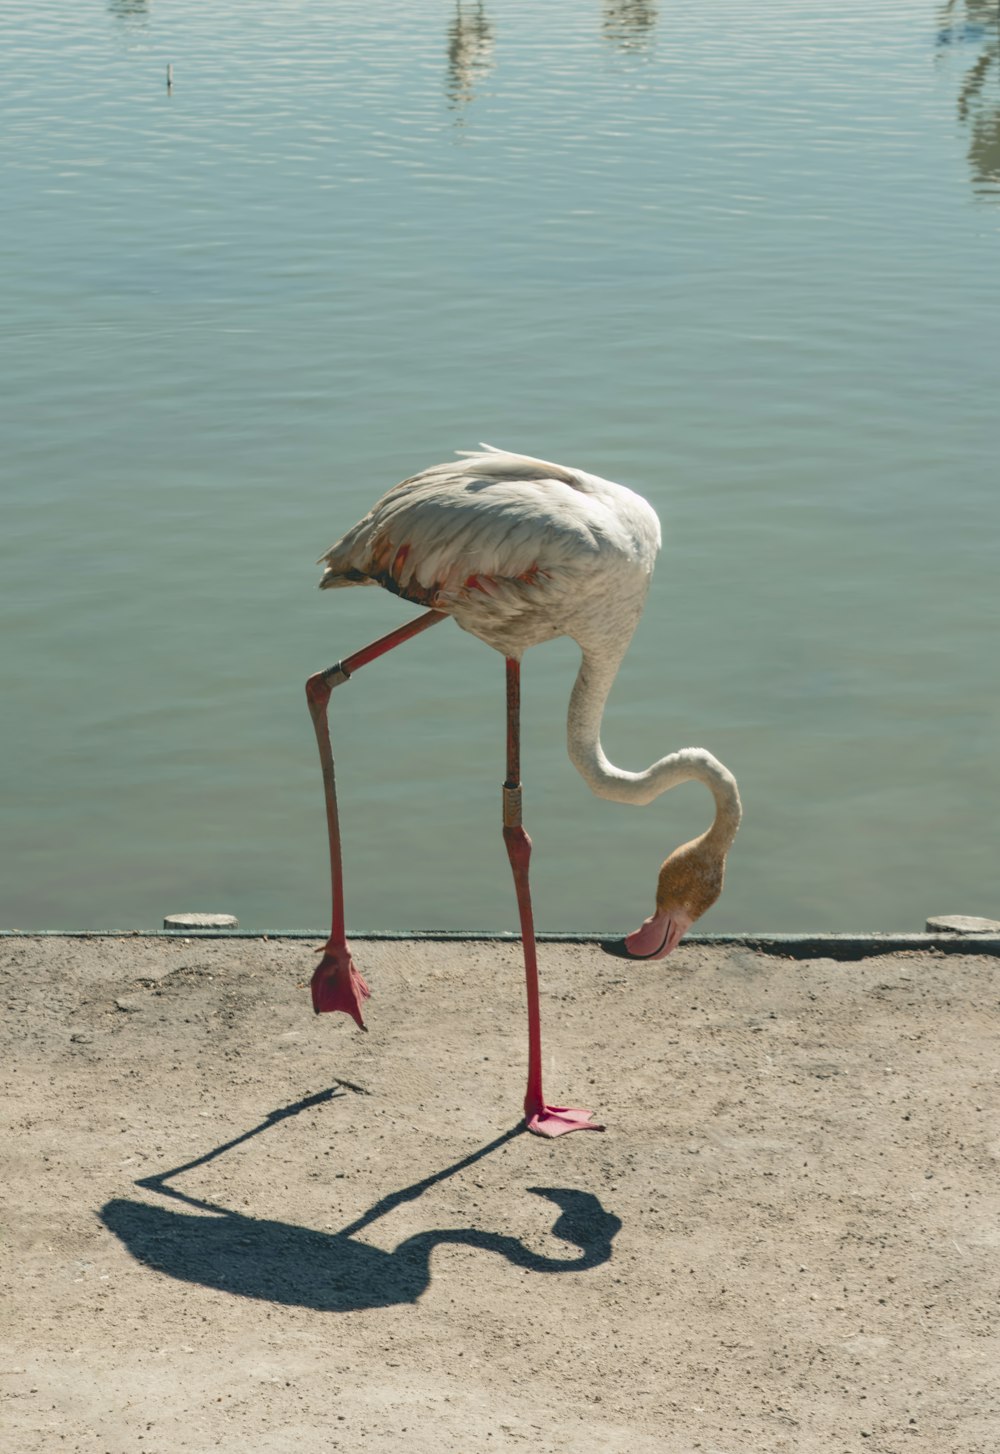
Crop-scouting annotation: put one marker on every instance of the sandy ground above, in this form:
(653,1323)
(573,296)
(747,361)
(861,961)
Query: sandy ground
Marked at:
(232,1226)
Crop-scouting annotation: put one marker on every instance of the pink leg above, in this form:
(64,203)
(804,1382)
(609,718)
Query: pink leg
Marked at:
(543,1120)
(336,983)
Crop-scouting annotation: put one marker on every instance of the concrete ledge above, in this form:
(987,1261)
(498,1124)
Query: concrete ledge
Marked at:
(793,946)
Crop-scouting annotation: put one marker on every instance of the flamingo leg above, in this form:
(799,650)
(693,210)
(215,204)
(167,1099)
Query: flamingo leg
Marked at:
(542,1119)
(336,983)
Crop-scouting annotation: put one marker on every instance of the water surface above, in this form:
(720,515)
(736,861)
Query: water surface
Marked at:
(742,258)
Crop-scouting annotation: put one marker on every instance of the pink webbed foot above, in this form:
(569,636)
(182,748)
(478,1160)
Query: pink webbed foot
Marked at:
(557,1120)
(337,985)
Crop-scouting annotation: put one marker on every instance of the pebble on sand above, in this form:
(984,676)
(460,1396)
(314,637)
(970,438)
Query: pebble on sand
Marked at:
(201,921)
(962,924)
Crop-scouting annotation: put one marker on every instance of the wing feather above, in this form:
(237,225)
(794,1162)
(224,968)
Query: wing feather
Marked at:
(492,522)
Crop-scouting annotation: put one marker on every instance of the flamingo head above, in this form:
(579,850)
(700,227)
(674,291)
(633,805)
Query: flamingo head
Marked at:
(690,882)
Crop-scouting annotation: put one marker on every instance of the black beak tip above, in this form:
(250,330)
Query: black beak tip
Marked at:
(616,947)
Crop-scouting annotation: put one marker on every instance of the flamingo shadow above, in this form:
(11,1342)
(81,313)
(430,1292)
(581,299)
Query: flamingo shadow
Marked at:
(296,1266)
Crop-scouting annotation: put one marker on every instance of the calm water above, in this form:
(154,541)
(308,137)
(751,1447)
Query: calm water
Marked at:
(742,257)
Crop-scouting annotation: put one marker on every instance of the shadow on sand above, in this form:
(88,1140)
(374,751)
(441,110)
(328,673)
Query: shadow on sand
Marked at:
(331,1271)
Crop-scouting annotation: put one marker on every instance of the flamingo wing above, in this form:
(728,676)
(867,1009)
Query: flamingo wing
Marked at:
(492,524)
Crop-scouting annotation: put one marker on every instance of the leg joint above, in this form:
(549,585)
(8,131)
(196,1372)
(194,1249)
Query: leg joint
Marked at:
(319,686)
(336,675)
(511,807)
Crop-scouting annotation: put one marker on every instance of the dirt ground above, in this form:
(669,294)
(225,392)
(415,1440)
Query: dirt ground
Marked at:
(231,1225)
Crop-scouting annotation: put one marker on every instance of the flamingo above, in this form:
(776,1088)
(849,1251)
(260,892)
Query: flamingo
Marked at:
(519,551)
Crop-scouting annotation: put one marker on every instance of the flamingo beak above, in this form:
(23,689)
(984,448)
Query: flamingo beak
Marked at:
(656,937)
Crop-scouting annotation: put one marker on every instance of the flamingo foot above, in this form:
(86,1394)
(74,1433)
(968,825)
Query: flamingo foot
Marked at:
(557,1120)
(337,985)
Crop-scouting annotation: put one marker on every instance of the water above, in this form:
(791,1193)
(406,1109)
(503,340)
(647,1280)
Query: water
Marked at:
(742,258)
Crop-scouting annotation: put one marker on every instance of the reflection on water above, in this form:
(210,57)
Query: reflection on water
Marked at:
(132,12)
(470,52)
(629,24)
(977,26)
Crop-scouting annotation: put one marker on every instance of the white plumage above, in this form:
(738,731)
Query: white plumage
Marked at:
(518,551)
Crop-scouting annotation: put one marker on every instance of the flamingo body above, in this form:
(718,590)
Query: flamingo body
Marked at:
(519,551)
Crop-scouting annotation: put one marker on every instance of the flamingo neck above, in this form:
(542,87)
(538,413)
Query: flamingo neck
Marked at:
(586,710)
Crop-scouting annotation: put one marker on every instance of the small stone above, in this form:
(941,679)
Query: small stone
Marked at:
(201,921)
(962,924)
(155,975)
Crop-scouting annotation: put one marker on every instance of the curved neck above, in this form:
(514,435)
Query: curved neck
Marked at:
(586,709)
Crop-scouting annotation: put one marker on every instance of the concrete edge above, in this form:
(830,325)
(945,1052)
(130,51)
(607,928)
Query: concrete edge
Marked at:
(792,946)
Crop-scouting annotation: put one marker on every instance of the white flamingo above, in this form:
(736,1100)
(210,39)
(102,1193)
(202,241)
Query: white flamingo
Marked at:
(518,551)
